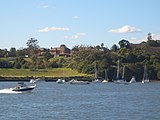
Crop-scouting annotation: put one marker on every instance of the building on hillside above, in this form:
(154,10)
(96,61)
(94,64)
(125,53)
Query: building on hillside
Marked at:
(61,51)
(132,45)
(135,45)
(41,51)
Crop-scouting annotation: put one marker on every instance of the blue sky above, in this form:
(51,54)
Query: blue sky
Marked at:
(76,22)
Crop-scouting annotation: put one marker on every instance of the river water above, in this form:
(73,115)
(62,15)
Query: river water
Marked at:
(52,101)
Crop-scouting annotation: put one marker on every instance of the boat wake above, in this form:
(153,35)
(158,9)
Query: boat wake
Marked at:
(8,91)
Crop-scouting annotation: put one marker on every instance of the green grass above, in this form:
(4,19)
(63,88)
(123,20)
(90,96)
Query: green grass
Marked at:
(57,72)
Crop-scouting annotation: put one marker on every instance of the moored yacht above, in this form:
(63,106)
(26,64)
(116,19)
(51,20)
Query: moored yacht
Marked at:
(106,77)
(73,81)
(118,80)
(145,75)
(96,81)
(33,81)
(104,81)
(37,80)
(133,80)
(60,81)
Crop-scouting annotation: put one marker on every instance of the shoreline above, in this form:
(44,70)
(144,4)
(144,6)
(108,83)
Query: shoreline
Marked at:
(47,79)
(51,79)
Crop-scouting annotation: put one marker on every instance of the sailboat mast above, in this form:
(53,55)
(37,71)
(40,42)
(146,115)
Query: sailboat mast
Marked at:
(118,70)
(145,72)
(106,75)
(95,71)
(145,75)
(123,76)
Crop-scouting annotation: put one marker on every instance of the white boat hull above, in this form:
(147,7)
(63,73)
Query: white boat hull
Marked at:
(79,82)
(23,88)
(133,80)
(145,81)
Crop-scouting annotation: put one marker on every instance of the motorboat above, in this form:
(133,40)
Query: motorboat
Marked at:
(73,81)
(21,87)
(60,81)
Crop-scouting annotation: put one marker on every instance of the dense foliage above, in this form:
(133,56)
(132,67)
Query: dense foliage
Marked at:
(132,56)
(84,58)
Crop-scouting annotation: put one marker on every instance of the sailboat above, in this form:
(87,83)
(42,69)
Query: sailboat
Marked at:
(133,80)
(145,75)
(96,80)
(106,77)
(61,81)
(118,80)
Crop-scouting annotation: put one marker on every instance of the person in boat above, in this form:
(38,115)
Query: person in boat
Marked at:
(20,84)
(23,87)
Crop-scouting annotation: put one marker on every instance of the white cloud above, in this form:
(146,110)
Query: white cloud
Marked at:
(76,17)
(125,29)
(47,29)
(139,40)
(42,5)
(76,36)
(155,37)
(45,6)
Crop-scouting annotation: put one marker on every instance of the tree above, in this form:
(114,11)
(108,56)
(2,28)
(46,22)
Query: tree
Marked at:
(130,58)
(114,48)
(32,47)
(149,37)
(4,64)
(102,45)
(158,75)
(12,52)
(153,43)
(47,55)
(3,53)
(32,43)
(20,53)
(124,43)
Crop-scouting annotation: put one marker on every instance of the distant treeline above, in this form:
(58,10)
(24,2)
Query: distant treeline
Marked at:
(84,58)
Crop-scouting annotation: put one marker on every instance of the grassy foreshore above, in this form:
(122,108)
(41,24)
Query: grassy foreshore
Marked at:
(47,74)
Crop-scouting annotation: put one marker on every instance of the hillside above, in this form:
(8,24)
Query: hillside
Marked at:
(84,59)
(48,74)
